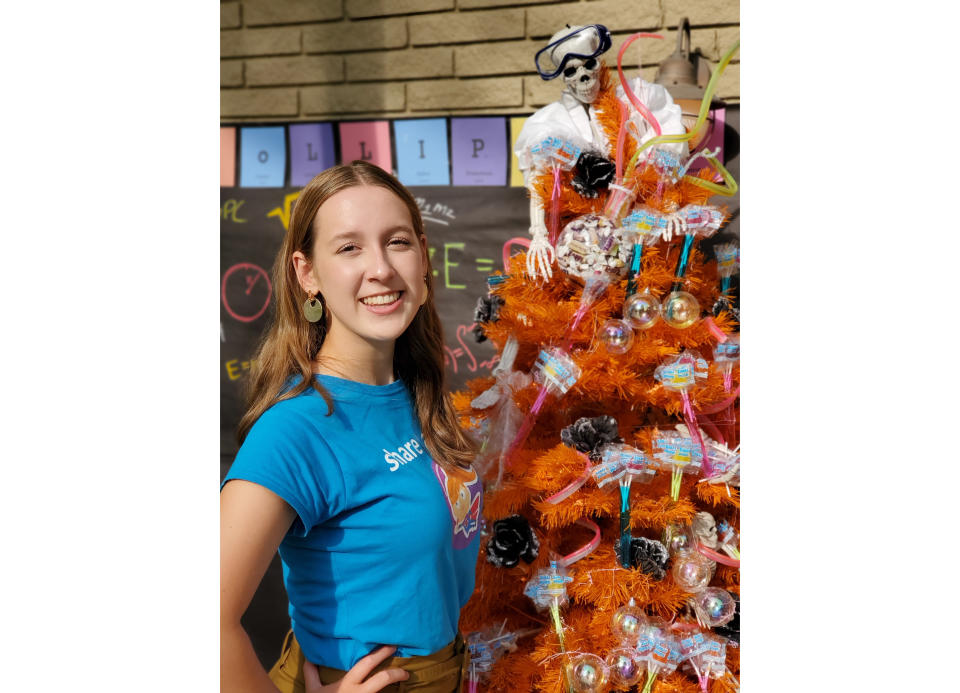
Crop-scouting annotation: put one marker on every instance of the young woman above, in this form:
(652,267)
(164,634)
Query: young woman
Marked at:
(352,461)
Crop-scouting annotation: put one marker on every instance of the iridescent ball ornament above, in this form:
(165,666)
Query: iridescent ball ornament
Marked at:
(642,310)
(587,673)
(715,607)
(627,623)
(625,667)
(677,538)
(617,336)
(691,571)
(680,310)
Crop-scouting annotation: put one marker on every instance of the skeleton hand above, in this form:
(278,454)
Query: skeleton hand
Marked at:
(540,255)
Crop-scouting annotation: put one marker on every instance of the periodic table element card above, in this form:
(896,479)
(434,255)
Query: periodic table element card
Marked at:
(422,154)
(366,140)
(311,151)
(479,150)
(516,125)
(263,157)
(228,157)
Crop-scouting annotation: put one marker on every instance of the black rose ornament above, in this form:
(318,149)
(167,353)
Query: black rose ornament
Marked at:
(588,435)
(592,173)
(487,310)
(512,539)
(650,556)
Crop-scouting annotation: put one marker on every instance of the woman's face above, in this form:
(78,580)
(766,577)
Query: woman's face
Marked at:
(369,265)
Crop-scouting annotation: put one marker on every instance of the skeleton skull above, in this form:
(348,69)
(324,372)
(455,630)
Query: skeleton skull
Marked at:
(582,79)
(705,529)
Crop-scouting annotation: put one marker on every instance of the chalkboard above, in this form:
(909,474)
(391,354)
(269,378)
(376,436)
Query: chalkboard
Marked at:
(469,231)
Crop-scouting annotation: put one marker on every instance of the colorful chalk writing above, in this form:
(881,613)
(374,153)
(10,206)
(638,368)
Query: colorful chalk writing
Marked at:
(447,264)
(452,355)
(254,282)
(437,212)
(236,367)
(229,211)
(284,212)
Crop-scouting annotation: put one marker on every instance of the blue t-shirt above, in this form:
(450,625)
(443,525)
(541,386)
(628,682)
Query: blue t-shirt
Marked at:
(385,543)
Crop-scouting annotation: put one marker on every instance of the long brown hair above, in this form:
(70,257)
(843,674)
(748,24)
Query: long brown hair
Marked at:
(291,342)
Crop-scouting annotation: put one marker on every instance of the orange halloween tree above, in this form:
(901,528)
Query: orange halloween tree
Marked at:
(672,391)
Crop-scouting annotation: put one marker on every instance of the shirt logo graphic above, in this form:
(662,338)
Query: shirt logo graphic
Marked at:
(463,490)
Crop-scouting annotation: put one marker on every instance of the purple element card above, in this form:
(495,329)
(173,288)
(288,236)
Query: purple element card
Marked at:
(368,140)
(311,151)
(479,147)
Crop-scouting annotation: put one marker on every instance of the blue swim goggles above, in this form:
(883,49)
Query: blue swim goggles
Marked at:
(586,43)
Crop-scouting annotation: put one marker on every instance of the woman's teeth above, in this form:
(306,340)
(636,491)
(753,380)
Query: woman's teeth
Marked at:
(380,300)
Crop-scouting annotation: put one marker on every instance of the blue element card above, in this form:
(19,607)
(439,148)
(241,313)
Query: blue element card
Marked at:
(263,157)
(422,154)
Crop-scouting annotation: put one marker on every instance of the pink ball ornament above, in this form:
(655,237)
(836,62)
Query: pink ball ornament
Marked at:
(626,668)
(715,607)
(691,571)
(642,310)
(617,336)
(587,673)
(627,623)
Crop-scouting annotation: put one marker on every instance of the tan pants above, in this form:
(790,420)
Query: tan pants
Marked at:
(440,672)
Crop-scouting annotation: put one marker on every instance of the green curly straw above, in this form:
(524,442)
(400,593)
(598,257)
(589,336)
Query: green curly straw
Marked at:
(731,188)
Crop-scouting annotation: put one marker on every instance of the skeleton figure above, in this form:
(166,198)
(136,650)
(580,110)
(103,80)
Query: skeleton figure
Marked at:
(705,529)
(574,52)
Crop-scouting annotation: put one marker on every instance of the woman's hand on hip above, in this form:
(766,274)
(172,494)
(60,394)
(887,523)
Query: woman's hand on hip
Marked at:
(353,681)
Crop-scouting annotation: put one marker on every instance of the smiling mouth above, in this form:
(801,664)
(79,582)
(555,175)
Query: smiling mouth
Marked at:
(382,299)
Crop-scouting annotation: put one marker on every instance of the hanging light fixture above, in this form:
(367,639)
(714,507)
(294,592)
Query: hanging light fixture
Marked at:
(685,75)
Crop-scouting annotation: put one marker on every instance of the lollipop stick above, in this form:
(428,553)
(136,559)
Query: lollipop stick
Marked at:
(625,522)
(634,269)
(527,425)
(651,675)
(691,420)
(555,613)
(555,206)
(675,483)
(682,263)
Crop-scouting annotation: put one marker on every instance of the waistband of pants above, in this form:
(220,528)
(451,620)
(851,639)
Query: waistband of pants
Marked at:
(441,667)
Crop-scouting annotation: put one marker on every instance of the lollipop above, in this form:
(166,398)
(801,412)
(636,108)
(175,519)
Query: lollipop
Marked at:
(632,463)
(679,455)
(728,264)
(486,647)
(558,155)
(700,651)
(680,375)
(662,658)
(645,226)
(548,590)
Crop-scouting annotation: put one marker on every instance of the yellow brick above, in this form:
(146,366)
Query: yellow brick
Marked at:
(467,93)
(349,98)
(406,64)
(508,57)
(701,12)
(616,15)
(472,4)
(301,69)
(229,15)
(234,44)
(538,92)
(231,73)
(366,34)
(466,27)
(257,102)
(380,8)
(266,12)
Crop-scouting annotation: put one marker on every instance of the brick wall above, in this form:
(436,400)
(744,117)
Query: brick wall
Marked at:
(287,60)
